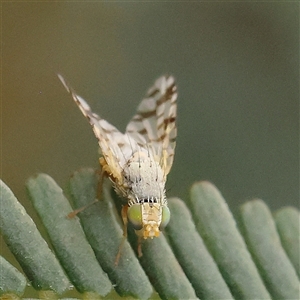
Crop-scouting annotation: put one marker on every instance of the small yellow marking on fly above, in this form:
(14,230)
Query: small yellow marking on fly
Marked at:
(138,161)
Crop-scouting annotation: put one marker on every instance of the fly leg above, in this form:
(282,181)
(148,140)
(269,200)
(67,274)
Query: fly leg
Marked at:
(73,213)
(139,247)
(125,222)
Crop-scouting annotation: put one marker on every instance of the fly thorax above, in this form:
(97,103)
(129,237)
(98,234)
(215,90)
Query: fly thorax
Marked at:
(143,177)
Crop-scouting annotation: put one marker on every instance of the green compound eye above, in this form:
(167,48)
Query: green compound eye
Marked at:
(165,218)
(134,215)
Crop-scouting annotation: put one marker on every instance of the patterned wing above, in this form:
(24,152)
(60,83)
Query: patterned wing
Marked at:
(154,124)
(115,146)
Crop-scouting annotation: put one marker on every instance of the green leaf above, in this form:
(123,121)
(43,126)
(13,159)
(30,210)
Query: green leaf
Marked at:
(287,221)
(218,229)
(163,270)
(11,280)
(67,236)
(30,249)
(193,255)
(264,243)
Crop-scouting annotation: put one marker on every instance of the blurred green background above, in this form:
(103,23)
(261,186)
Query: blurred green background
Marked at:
(237,70)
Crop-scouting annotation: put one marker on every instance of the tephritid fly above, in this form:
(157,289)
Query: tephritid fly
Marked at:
(138,161)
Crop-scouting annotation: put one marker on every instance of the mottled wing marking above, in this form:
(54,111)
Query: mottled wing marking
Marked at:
(114,145)
(153,128)
(154,124)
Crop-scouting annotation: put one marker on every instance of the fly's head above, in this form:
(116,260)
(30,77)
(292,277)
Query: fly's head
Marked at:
(148,217)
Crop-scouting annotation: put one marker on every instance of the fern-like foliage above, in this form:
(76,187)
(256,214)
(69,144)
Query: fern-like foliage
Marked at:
(202,254)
